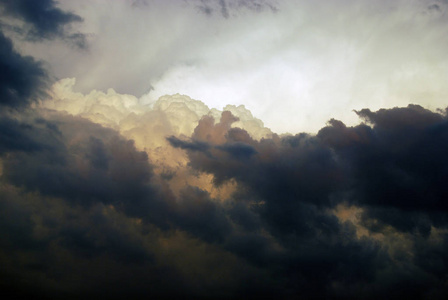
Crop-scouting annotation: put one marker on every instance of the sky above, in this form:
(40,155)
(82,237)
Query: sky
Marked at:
(281,59)
(223,149)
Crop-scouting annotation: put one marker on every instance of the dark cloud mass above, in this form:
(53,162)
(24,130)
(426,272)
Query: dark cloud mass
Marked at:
(22,79)
(43,20)
(78,198)
(394,169)
(83,210)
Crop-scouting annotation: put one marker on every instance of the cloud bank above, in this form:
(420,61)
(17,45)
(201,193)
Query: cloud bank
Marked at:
(176,199)
(107,195)
(280,58)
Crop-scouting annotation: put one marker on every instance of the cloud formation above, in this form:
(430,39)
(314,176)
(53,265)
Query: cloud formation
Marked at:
(354,211)
(340,56)
(107,195)
(23,79)
(283,222)
(43,20)
(392,170)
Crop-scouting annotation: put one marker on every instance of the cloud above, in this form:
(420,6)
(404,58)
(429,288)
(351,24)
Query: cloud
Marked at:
(97,166)
(23,79)
(391,170)
(283,188)
(43,20)
(104,194)
(271,207)
(176,114)
(231,8)
(195,146)
(17,136)
(59,249)
(342,56)
(93,197)
(86,195)
(399,162)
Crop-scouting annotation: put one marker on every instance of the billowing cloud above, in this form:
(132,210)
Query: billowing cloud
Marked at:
(175,114)
(393,170)
(354,211)
(110,195)
(350,212)
(339,56)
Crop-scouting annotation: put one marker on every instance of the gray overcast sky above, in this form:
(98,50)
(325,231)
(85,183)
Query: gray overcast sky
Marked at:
(294,64)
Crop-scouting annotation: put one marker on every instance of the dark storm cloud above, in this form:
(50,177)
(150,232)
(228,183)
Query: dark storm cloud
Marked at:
(51,251)
(400,162)
(79,201)
(299,167)
(81,162)
(199,215)
(195,146)
(22,79)
(285,188)
(81,188)
(86,165)
(395,169)
(238,150)
(398,171)
(75,191)
(43,20)
(17,136)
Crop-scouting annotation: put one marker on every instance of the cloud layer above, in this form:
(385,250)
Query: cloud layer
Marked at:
(108,195)
(350,212)
(280,58)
